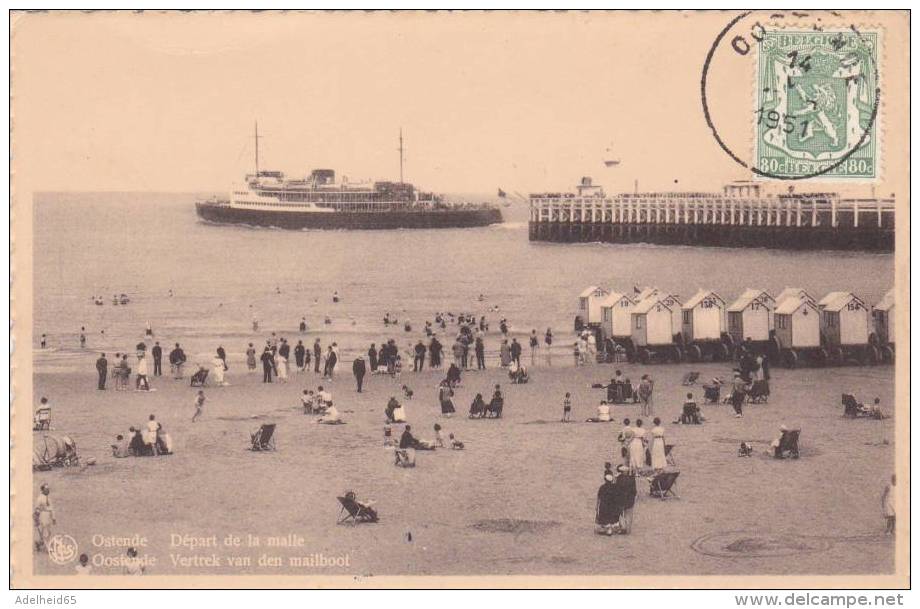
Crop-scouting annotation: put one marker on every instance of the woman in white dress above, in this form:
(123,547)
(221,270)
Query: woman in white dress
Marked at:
(659,459)
(217,366)
(281,366)
(637,448)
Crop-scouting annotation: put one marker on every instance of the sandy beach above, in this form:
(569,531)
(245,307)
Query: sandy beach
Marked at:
(518,500)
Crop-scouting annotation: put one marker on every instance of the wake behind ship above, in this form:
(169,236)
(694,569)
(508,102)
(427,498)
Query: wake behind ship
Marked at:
(319,201)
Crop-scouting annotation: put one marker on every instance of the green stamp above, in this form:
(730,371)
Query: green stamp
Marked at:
(817,105)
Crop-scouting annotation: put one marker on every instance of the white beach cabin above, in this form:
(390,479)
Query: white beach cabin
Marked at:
(883,319)
(589,304)
(616,315)
(703,317)
(844,320)
(652,323)
(751,316)
(797,323)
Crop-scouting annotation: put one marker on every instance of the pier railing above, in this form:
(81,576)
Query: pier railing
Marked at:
(706,209)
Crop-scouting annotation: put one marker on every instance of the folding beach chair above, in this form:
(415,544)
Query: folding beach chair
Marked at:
(661,485)
(690,378)
(355,511)
(788,445)
(712,392)
(264,437)
(851,407)
(200,378)
(759,392)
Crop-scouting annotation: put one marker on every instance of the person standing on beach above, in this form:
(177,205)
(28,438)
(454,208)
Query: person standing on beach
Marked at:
(419,360)
(43,515)
(219,367)
(299,351)
(176,360)
(223,357)
(567,408)
(548,339)
(739,393)
(480,349)
(317,355)
(504,353)
(285,351)
(534,345)
(516,351)
(331,360)
(102,367)
(251,357)
(141,382)
(157,353)
(268,362)
(359,369)
(44,341)
(888,500)
(434,351)
(303,325)
(372,357)
(82,337)
(199,406)
(646,385)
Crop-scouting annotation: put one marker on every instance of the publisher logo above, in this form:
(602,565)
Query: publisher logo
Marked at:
(62,549)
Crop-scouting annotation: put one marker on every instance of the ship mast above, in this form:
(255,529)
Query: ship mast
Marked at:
(257,148)
(400,156)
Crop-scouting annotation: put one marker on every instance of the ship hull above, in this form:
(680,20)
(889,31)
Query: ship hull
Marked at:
(437,218)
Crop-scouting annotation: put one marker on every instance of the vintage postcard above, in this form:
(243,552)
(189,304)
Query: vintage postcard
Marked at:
(460,299)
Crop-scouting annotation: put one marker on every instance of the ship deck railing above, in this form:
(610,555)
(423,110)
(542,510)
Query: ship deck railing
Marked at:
(713,209)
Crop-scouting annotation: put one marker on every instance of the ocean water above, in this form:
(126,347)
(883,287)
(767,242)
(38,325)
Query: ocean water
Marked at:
(146,244)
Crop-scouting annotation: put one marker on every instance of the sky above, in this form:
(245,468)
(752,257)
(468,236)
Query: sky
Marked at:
(526,102)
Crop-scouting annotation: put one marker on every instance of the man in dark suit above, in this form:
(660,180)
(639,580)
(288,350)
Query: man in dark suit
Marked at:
(102,367)
(268,361)
(157,353)
(359,369)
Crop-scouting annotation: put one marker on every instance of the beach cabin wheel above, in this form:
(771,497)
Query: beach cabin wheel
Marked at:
(694,353)
(721,352)
(870,356)
(836,355)
(790,358)
(887,353)
(677,354)
(644,356)
(873,339)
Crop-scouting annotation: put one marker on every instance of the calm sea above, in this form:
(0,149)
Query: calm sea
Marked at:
(145,245)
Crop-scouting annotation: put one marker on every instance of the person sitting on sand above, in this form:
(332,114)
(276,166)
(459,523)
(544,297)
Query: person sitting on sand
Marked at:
(164,442)
(478,407)
(121,448)
(455,444)
(603,413)
(136,444)
(691,414)
(306,400)
(407,440)
(389,411)
(497,404)
(331,416)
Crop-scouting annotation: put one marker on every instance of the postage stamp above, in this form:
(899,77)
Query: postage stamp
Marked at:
(818,101)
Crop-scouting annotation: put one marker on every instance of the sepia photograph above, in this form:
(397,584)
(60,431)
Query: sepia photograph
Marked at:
(449,299)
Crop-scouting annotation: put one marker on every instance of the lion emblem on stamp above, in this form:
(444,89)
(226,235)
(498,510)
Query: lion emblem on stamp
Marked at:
(817,104)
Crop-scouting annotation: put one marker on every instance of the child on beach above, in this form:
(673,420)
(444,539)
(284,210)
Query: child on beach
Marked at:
(306,400)
(199,406)
(888,506)
(455,444)
(397,367)
(84,568)
(567,408)
(388,436)
(438,438)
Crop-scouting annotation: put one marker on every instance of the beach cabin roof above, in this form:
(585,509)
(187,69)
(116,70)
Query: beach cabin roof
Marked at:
(613,298)
(836,301)
(790,305)
(797,293)
(645,293)
(747,297)
(589,291)
(646,305)
(886,302)
(700,297)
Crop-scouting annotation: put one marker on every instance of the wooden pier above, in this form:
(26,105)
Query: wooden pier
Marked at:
(737,217)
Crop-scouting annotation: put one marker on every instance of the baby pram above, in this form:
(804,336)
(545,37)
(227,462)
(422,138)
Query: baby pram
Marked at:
(42,419)
(712,391)
(200,378)
(54,451)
